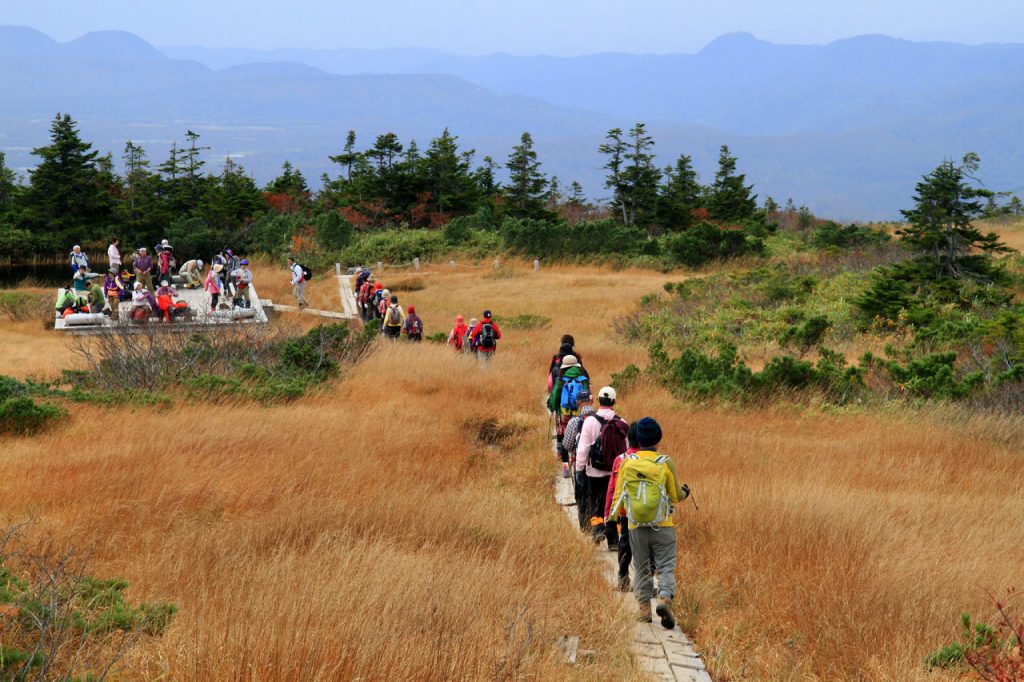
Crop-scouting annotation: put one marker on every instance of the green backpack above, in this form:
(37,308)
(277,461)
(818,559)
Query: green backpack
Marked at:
(644,496)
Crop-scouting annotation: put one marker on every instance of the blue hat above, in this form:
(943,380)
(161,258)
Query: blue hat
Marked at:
(648,433)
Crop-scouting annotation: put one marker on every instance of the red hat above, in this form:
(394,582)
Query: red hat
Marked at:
(412,309)
(378,286)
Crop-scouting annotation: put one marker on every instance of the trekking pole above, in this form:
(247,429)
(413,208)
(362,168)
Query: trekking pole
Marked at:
(694,500)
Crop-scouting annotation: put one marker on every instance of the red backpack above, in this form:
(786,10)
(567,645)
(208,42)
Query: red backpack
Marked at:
(611,442)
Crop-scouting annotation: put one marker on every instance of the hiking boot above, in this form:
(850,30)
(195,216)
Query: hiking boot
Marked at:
(664,611)
(644,613)
(565,471)
(624,584)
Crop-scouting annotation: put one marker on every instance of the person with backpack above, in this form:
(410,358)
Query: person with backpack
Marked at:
(457,336)
(562,397)
(602,439)
(78,259)
(365,294)
(165,261)
(394,319)
(114,289)
(469,346)
(243,279)
(625,554)
(485,337)
(571,440)
(646,488)
(213,285)
(375,300)
(298,282)
(413,325)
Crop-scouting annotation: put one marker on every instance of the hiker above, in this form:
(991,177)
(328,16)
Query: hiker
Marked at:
(394,318)
(645,490)
(242,278)
(80,284)
(78,258)
(96,298)
(143,266)
(365,296)
(602,439)
(114,289)
(570,440)
(65,300)
(114,253)
(413,325)
(625,554)
(141,308)
(375,300)
(566,347)
(485,337)
(166,261)
(298,282)
(469,345)
(231,263)
(126,278)
(213,285)
(563,401)
(361,278)
(191,271)
(164,299)
(457,336)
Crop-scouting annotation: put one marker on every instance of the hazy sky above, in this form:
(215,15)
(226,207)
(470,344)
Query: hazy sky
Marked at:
(518,26)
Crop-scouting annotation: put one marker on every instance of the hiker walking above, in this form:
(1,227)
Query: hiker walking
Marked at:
(457,336)
(469,345)
(78,258)
(394,318)
(166,262)
(563,398)
(485,336)
(242,277)
(413,325)
(143,267)
(376,299)
(571,440)
(365,296)
(646,488)
(602,439)
(213,285)
(298,282)
(625,553)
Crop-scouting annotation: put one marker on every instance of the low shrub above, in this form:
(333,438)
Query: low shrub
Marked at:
(24,305)
(526,322)
(705,243)
(805,335)
(833,235)
(20,414)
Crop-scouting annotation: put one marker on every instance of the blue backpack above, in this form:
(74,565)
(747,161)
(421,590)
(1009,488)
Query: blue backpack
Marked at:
(571,387)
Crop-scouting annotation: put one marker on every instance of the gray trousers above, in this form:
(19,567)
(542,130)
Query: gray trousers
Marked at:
(299,289)
(659,543)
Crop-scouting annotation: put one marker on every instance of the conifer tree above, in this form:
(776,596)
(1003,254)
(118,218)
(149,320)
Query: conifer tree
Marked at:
(527,188)
(65,198)
(8,187)
(446,175)
(940,224)
(679,195)
(729,198)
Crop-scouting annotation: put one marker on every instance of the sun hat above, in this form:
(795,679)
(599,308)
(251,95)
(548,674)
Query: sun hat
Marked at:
(570,361)
(218,267)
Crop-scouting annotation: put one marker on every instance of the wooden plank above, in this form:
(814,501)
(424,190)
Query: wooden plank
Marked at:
(313,311)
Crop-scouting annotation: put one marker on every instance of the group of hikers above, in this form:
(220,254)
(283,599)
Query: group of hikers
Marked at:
(378,303)
(624,488)
(145,283)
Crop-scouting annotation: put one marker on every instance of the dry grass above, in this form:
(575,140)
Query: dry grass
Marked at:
(368,530)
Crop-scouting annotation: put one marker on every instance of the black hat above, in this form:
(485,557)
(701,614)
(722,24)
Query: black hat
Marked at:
(648,432)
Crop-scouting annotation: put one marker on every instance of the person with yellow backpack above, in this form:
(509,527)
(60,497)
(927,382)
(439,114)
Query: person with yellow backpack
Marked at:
(646,487)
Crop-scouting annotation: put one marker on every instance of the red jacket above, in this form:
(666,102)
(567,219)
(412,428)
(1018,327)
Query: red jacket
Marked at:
(478,329)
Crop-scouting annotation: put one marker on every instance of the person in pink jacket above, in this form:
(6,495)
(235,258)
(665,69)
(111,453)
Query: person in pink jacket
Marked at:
(213,285)
(625,555)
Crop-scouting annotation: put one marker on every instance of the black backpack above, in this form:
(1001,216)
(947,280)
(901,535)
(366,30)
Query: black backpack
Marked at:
(611,442)
(306,273)
(487,339)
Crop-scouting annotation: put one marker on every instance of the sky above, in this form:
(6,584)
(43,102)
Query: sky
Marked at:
(560,27)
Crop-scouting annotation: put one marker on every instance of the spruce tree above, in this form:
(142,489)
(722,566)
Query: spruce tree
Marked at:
(640,177)
(679,195)
(614,148)
(65,199)
(447,177)
(729,198)
(940,224)
(8,187)
(527,188)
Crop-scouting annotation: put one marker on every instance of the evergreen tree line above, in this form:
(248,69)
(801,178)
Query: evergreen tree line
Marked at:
(76,195)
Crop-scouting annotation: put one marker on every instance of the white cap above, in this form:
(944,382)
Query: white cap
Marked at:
(607,392)
(164,242)
(199,263)
(570,361)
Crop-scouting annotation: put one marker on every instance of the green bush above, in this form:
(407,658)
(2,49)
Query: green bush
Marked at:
(332,231)
(526,322)
(833,235)
(19,414)
(933,376)
(805,335)
(705,243)
(974,636)
(394,246)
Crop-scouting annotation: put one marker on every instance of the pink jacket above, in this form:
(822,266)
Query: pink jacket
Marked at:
(212,282)
(589,434)
(615,475)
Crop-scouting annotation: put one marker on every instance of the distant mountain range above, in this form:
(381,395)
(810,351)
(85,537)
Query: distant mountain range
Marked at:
(847,128)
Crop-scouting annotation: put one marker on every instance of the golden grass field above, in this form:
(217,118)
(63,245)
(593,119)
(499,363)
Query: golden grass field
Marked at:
(362,532)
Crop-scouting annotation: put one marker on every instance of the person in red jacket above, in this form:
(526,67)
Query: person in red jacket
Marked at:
(485,336)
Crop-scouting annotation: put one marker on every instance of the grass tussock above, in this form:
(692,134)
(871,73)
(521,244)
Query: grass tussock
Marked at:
(363,530)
